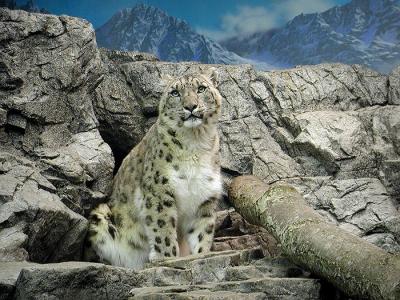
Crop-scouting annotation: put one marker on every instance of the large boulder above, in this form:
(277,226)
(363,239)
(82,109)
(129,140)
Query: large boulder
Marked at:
(54,165)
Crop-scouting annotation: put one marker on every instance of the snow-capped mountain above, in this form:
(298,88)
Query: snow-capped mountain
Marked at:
(149,29)
(363,32)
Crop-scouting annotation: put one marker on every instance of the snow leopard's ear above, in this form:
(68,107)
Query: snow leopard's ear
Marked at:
(166,79)
(212,74)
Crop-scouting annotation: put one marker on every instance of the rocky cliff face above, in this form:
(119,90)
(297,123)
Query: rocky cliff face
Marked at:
(330,130)
(67,110)
(54,163)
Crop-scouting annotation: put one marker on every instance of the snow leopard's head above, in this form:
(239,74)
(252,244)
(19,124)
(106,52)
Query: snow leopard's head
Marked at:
(191,100)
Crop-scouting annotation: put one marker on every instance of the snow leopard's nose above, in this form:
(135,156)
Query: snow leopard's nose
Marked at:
(190,107)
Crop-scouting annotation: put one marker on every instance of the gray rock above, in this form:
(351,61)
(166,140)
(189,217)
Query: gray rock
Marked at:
(16,120)
(53,162)
(223,266)
(13,240)
(272,288)
(182,294)
(9,272)
(219,274)
(34,223)
(47,92)
(83,171)
(264,268)
(232,275)
(384,127)
(337,140)
(117,107)
(325,86)
(3,117)
(361,206)
(343,104)
(165,276)
(75,280)
(121,57)
(390,177)
(394,86)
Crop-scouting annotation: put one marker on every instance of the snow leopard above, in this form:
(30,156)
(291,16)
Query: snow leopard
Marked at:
(166,190)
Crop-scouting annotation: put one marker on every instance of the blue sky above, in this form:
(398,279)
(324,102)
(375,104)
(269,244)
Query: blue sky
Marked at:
(216,18)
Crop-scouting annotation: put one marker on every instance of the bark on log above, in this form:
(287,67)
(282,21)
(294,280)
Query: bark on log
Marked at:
(352,264)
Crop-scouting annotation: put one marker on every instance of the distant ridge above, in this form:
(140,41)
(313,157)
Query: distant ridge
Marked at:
(363,32)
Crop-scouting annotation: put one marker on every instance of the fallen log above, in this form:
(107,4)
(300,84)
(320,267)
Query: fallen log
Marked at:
(353,265)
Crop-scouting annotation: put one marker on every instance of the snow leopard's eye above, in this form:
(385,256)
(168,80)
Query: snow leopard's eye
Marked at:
(201,89)
(174,93)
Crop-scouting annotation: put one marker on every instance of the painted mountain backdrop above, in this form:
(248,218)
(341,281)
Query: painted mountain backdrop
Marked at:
(361,32)
(149,29)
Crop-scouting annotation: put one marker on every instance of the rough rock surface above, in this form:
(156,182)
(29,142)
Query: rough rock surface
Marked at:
(9,272)
(116,106)
(54,165)
(75,280)
(36,225)
(221,275)
(335,125)
(233,275)
(394,86)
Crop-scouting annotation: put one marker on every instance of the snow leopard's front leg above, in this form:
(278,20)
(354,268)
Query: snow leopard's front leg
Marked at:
(201,231)
(160,219)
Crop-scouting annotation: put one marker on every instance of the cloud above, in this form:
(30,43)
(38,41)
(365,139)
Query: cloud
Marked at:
(292,8)
(245,20)
(216,35)
(249,19)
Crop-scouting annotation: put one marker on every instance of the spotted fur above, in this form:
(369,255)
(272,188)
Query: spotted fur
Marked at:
(166,189)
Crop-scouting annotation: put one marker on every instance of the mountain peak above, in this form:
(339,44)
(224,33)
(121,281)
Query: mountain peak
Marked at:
(149,29)
(360,32)
(150,9)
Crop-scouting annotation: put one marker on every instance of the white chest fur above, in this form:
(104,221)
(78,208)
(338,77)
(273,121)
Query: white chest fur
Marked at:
(194,183)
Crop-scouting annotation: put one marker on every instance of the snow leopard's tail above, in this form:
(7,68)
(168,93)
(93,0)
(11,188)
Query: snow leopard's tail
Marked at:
(101,234)
(107,243)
